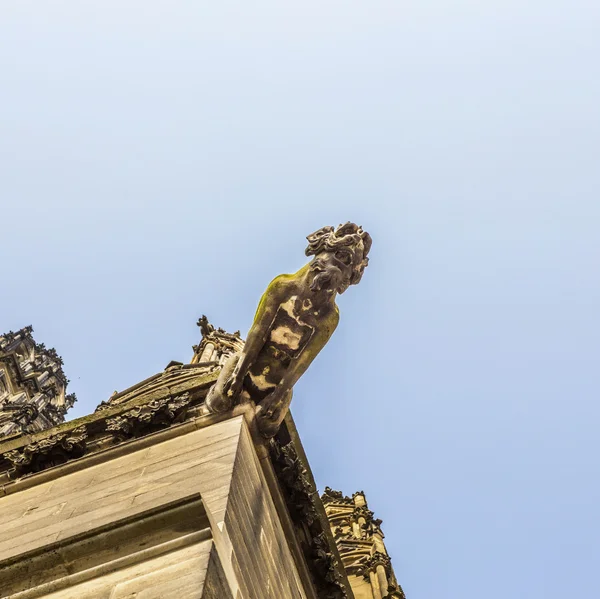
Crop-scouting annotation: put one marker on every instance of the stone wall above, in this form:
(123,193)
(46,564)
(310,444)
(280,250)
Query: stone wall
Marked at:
(189,516)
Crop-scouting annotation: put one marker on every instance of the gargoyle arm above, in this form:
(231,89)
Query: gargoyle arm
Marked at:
(259,331)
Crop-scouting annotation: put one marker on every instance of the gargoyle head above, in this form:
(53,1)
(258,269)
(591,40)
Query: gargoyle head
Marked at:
(340,256)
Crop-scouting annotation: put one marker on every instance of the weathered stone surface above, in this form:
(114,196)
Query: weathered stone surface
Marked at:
(187,516)
(166,400)
(179,574)
(295,318)
(96,552)
(200,462)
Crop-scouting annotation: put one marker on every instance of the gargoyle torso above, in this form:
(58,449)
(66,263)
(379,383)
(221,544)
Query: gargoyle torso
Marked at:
(290,333)
(295,318)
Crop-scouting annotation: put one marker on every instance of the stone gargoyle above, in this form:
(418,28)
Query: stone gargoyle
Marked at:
(295,318)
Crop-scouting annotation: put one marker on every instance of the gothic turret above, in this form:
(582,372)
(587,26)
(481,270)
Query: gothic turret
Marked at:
(359,539)
(32,385)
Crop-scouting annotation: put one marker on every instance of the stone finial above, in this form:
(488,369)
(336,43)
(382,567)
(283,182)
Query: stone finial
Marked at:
(216,345)
(359,499)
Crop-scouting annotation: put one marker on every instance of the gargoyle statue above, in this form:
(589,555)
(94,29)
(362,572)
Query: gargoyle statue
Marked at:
(295,318)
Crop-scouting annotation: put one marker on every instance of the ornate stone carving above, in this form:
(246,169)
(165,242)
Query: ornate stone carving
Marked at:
(300,497)
(364,513)
(360,541)
(147,418)
(369,563)
(293,477)
(32,384)
(395,592)
(216,345)
(296,316)
(51,451)
(19,414)
(101,432)
(205,327)
(330,496)
(175,379)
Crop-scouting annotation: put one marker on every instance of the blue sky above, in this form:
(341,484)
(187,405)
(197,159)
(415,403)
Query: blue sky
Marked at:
(163,160)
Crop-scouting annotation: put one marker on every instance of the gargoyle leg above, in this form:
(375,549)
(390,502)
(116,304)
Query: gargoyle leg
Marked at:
(271,411)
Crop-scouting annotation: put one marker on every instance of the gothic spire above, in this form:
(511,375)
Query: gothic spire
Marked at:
(32,384)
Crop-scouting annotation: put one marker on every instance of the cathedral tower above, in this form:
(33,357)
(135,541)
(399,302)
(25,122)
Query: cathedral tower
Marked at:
(359,540)
(32,385)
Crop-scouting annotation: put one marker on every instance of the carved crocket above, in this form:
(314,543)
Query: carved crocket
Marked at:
(295,318)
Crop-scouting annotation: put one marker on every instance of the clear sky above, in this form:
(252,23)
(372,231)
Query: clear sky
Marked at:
(160,160)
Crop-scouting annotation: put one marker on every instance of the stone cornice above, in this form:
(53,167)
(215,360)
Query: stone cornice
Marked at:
(308,513)
(148,410)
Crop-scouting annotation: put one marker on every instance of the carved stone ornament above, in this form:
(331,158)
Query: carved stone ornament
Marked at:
(363,512)
(395,592)
(52,451)
(147,418)
(331,496)
(295,318)
(32,384)
(300,498)
(216,345)
(359,540)
(19,414)
(370,563)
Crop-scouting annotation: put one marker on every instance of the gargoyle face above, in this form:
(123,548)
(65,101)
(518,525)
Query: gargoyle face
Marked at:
(338,268)
(340,257)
